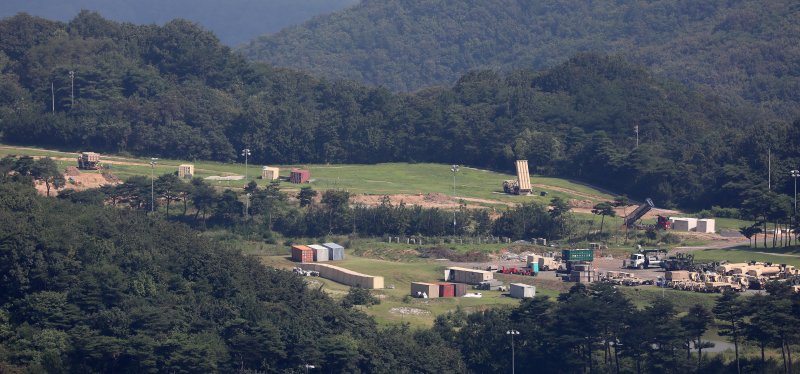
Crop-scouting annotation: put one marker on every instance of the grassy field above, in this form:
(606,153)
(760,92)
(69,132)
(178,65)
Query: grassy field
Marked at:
(380,179)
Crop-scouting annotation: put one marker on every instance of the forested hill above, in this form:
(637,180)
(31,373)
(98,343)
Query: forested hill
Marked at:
(745,50)
(234,21)
(88,289)
(174,91)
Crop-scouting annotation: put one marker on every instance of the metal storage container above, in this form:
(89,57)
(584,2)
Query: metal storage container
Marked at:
(520,290)
(464,275)
(461,289)
(335,251)
(429,289)
(270,173)
(447,290)
(320,252)
(299,176)
(301,253)
(577,255)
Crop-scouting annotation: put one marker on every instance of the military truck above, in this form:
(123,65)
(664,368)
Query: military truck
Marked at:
(89,161)
(645,259)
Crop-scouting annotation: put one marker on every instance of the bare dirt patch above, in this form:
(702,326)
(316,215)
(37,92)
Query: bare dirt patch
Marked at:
(406,311)
(429,200)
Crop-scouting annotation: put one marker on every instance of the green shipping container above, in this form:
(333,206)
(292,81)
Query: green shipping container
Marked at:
(577,255)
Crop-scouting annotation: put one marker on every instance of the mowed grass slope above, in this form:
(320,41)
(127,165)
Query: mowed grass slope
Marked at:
(378,179)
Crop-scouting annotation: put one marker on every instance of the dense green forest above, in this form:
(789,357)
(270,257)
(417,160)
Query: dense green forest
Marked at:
(93,289)
(175,91)
(88,288)
(234,21)
(743,50)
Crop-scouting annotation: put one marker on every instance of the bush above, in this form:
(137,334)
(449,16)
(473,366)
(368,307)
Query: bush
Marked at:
(359,296)
(719,212)
(670,238)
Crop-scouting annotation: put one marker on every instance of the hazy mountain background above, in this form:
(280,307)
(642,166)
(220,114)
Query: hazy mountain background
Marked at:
(233,21)
(746,51)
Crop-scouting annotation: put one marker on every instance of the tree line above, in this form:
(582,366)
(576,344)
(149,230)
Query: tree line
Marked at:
(98,289)
(598,329)
(174,91)
(101,290)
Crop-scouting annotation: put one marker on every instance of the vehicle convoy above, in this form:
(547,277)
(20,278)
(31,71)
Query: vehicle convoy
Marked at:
(645,259)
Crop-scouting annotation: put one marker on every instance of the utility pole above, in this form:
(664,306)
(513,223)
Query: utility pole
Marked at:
(454,169)
(72,89)
(513,364)
(53,95)
(245,153)
(152,184)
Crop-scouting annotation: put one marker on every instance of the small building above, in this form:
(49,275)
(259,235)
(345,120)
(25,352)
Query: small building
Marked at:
(705,225)
(186,171)
(521,290)
(335,251)
(299,176)
(684,224)
(320,252)
(447,290)
(301,253)
(465,275)
(418,289)
(269,173)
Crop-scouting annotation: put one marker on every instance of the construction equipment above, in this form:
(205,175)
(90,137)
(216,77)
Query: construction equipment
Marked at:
(521,185)
(644,259)
(89,161)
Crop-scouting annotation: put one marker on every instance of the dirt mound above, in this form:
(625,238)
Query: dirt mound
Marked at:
(586,204)
(436,197)
(110,177)
(71,171)
(439,252)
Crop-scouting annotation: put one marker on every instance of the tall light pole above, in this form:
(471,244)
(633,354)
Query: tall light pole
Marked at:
(454,169)
(245,153)
(72,89)
(636,128)
(152,184)
(795,174)
(512,333)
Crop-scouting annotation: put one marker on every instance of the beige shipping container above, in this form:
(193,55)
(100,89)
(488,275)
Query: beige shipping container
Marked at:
(521,290)
(705,225)
(684,224)
(430,289)
(185,171)
(345,276)
(270,173)
(465,275)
